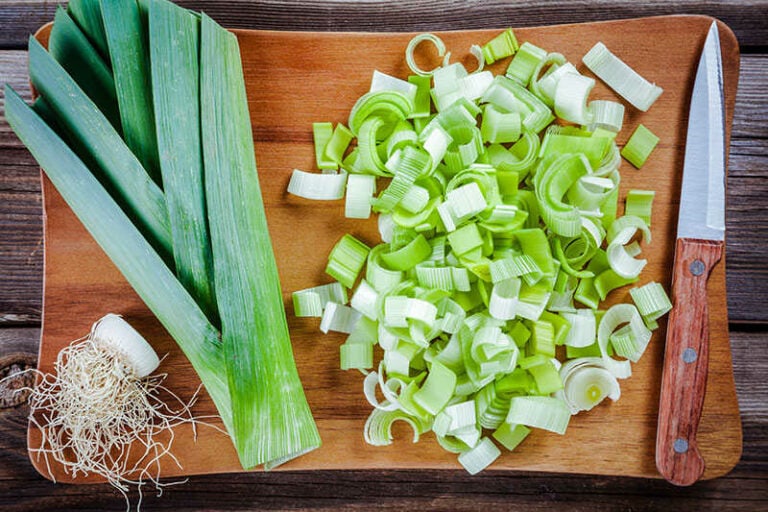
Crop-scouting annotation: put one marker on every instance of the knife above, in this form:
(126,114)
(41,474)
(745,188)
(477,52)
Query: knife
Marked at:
(699,246)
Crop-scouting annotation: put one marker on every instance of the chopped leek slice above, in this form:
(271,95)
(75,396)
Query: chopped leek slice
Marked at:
(378,426)
(501,46)
(607,115)
(346,260)
(356,355)
(586,383)
(639,204)
(480,457)
(571,98)
(411,48)
(652,302)
(540,412)
(324,187)
(525,61)
(360,190)
(639,146)
(621,78)
(339,318)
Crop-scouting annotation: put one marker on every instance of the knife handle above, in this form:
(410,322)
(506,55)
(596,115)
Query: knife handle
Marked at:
(686,357)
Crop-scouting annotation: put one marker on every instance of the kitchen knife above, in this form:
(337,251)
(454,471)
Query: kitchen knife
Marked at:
(699,246)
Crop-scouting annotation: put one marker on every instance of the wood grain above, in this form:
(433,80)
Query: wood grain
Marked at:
(81,284)
(686,362)
(19,18)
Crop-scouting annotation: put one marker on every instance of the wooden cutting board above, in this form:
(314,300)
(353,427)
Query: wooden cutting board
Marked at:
(296,78)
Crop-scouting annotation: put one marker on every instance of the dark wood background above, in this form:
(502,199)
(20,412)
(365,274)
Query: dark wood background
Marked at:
(745,488)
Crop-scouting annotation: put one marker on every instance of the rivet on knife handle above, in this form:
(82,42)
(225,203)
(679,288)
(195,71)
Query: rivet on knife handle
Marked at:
(686,356)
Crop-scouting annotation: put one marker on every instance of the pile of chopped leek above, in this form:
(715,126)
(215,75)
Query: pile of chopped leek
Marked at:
(142,125)
(497,200)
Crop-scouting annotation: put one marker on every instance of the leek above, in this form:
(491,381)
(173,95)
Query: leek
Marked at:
(272,422)
(72,49)
(127,41)
(119,169)
(639,146)
(174,36)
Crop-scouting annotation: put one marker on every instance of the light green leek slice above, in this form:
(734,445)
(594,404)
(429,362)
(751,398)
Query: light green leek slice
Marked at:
(525,61)
(127,41)
(411,48)
(540,412)
(511,96)
(639,146)
(421,99)
(408,256)
(437,389)
(614,317)
(356,355)
(639,203)
(392,106)
(378,427)
(480,457)
(510,436)
(346,260)
(500,127)
(365,299)
(546,378)
(546,87)
(377,275)
(174,36)
(504,298)
(271,417)
(500,47)
(384,82)
(652,302)
(552,184)
(621,78)
(321,134)
(336,146)
(119,169)
(73,50)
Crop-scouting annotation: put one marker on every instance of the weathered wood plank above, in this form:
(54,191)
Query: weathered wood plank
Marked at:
(21,488)
(22,17)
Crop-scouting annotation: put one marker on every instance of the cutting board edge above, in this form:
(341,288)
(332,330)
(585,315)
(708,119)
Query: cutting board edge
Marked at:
(43,33)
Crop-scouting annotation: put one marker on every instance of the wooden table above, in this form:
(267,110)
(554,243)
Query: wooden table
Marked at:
(21,252)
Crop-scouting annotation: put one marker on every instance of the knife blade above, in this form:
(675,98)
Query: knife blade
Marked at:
(699,246)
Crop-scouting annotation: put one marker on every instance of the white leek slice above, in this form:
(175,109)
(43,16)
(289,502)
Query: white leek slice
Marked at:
(586,383)
(652,302)
(583,331)
(360,191)
(542,412)
(386,227)
(547,86)
(374,379)
(621,78)
(608,115)
(323,187)
(504,299)
(384,82)
(364,300)
(480,457)
(339,318)
(571,98)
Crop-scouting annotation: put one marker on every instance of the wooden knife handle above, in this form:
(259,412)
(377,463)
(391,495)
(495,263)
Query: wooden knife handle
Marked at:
(686,357)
